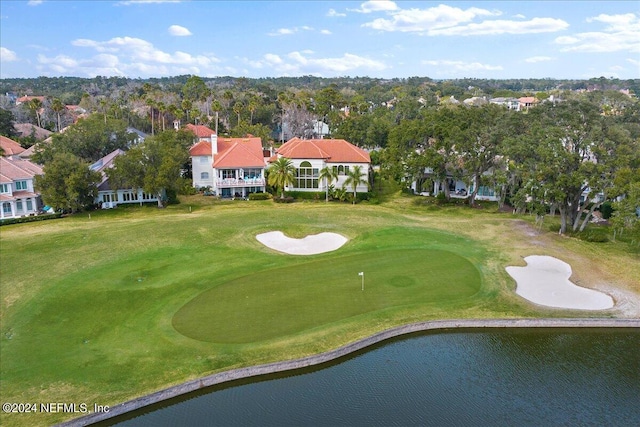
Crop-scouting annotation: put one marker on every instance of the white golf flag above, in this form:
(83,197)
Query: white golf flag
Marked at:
(361,273)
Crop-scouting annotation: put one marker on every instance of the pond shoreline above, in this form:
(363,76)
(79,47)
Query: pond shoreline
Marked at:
(318,359)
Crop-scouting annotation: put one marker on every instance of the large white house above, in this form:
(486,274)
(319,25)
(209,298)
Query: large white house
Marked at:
(230,167)
(17,194)
(309,156)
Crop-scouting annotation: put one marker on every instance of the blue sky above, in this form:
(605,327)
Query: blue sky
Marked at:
(453,39)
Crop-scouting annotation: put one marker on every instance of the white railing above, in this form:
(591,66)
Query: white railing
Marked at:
(246,182)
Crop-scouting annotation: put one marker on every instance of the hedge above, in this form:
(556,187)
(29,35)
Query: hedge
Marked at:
(8,221)
(259,196)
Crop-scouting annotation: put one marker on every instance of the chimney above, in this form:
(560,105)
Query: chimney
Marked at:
(214,144)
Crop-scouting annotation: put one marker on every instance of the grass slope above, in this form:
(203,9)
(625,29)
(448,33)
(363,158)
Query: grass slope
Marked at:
(89,304)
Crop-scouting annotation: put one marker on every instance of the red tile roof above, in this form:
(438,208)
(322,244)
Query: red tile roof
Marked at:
(202,148)
(332,150)
(239,152)
(10,147)
(200,131)
(232,152)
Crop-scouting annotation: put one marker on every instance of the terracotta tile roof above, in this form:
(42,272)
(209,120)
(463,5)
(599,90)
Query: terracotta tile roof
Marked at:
(332,150)
(239,152)
(12,169)
(10,147)
(200,131)
(26,129)
(202,148)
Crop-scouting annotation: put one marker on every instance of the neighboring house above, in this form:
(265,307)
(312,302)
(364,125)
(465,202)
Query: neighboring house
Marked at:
(309,156)
(10,147)
(109,197)
(510,103)
(231,167)
(27,98)
(25,130)
(140,136)
(526,102)
(458,188)
(202,133)
(17,194)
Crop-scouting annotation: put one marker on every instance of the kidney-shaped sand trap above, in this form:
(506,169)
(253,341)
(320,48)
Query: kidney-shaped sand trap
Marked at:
(310,245)
(545,281)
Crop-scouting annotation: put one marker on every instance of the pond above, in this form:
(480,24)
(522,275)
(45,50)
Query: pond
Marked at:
(524,377)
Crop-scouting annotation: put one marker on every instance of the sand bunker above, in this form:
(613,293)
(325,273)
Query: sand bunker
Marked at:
(545,281)
(310,245)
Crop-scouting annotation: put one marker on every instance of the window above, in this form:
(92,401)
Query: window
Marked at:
(306,176)
(19,206)
(6,208)
(228,173)
(204,175)
(29,205)
(204,159)
(340,170)
(4,188)
(21,185)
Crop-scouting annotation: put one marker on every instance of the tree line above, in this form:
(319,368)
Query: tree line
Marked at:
(538,160)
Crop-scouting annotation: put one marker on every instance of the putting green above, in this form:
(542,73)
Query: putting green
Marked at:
(286,301)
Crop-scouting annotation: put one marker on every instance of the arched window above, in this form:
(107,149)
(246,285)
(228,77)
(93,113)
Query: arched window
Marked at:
(305,164)
(340,170)
(204,175)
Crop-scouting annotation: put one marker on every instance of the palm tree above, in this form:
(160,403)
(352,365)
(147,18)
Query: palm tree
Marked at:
(329,175)
(34,104)
(58,107)
(282,173)
(355,178)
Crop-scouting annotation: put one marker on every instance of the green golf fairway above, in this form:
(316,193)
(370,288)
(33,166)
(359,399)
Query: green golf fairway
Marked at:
(289,300)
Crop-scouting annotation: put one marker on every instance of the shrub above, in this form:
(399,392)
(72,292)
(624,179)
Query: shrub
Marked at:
(606,209)
(286,199)
(306,195)
(259,196)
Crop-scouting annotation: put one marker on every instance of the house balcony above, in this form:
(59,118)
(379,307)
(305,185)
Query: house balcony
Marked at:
(246,182)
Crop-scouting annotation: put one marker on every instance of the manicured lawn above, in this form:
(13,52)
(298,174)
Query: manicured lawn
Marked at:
(105,308)
(289,300)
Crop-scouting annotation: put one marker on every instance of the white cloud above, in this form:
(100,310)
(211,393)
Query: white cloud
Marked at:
(177,30)
(499,26)
(129,56)
(34,2)
(535,59)
(7,55)
(635,62)
(325,32)
(303,63)
(376,6)
(282,32)
(461,66)
(333,13)
(519,16)
(621,34)
(424,20)
(289,31)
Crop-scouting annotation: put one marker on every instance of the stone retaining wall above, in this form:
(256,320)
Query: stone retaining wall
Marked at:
(288,365)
